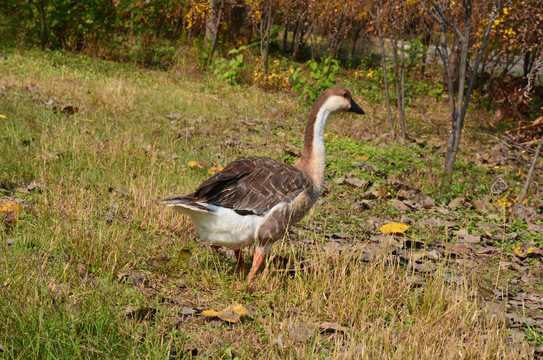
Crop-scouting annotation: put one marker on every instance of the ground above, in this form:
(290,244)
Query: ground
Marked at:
(93,266)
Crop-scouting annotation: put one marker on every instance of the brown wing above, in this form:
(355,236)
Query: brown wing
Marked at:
(252,185)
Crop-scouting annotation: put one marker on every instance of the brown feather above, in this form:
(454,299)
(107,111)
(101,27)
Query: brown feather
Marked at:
(250,186)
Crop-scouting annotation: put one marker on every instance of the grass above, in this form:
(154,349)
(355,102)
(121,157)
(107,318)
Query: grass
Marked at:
(63,292)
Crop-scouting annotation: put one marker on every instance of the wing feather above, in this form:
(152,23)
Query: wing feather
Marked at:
(252,185)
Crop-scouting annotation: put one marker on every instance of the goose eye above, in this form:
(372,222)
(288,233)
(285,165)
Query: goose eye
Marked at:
(346,95)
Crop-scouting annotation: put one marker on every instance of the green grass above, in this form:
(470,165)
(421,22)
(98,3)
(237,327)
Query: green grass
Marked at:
(62,295)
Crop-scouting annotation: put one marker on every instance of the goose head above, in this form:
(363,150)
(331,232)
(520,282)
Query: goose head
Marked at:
(336,99)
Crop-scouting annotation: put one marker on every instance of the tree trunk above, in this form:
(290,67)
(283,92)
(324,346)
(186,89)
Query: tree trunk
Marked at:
(294,34)
(459,104)
(40,6)
(426,43)
(285,38)
(399,68)
(178,23)
(356,34)
(215,35)
(384,66)
(212,22)
(265,36)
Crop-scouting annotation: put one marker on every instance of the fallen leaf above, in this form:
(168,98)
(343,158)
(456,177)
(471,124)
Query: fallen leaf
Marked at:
(34,185)
(394,228)
(232,314)
(9,213)
(459,201)
(187,311)
(538,228)
(330,327)
(383,192)
(399,205)
(357,182)
(199,164)
(339,180)
(214,169)
(292,150)
(498,187)
(137,278)
(460,250)
(523,251)
(3,116)
(299,332)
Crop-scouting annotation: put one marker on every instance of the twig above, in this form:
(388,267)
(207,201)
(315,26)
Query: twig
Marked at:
(530,173)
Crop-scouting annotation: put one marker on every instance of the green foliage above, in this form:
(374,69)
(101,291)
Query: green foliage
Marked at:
(370,74)
(414,51)
(316,77)
(231,70)
(75,25)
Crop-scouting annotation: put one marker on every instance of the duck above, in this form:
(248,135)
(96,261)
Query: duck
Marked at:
(253,200)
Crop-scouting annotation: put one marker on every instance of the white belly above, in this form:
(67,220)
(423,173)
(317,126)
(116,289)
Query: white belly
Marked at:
(224,227)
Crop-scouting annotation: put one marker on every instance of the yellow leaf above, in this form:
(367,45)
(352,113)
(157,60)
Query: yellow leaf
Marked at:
(232,314)
(199,164)
(214,169)
(394,228)
(210,313)
(3,116)
(523,254)
(382,192)
(9,211)
(364,157)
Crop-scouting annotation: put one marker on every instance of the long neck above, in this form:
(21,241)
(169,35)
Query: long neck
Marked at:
(313,157)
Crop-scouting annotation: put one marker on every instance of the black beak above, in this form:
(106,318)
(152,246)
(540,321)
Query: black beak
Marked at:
(355,108)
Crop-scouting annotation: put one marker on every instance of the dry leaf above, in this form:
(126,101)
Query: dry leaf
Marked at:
(199,164)
(9,212)
(400,205)
(357,182)
(214,169)
(299,332)
(394,228)
(383,192)
(332,327)
(232,314)
(521,252)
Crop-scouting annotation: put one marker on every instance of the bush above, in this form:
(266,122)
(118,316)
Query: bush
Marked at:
(316,77)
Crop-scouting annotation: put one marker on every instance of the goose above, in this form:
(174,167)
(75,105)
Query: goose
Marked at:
(254,199)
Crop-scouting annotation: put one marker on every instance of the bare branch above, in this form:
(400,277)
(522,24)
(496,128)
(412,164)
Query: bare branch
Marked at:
(530,172)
